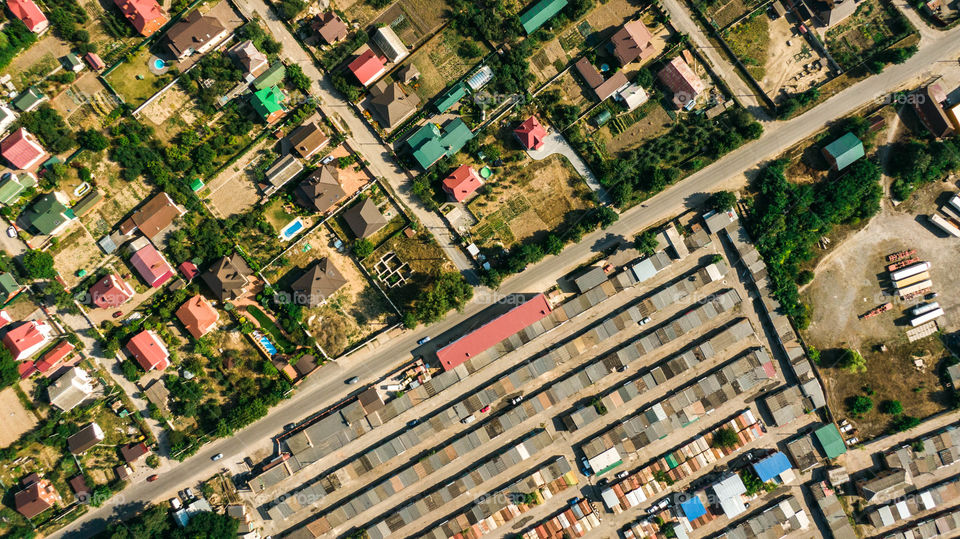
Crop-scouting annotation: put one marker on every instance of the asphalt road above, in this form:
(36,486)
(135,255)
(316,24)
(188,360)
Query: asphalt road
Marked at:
(326,388)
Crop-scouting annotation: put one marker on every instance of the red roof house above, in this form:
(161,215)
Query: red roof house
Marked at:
(27,338)
(490,334)
(531,133)
(151,265)
(682,81)
(461,183)
(94,60)
(198,316)
(30,14)
(22,150)
(188,269)
(145,15)
(367,67)
(111,291)
(631,42)
(26,368)
(54,356)
(132,452)
(149,351)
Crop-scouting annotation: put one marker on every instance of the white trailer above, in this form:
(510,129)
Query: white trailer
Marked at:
(925,308)
(950,212)
(924,318)
(955,202)
(945,225)
(910,270)
(915,288)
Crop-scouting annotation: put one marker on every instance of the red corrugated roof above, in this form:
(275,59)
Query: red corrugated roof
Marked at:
(462,182)
(54,356)
(21,149)
(26,368)
(531,133)
(366,67)
(150,352)
(29,13)
(491,333)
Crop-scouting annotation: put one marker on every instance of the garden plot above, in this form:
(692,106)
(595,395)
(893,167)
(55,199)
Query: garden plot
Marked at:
(873,27)
(17,419)
(77,251)
(440,64)
(527,199)
(630,130)
(170,113)
(723,12)
(119,198)
(356,311)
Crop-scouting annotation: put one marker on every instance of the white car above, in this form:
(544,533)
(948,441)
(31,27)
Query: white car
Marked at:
(11,232)
(175,503)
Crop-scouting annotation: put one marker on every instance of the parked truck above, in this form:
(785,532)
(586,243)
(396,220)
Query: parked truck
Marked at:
(945,225)
(925,308)
(955,202)
(908,271)
(913,289)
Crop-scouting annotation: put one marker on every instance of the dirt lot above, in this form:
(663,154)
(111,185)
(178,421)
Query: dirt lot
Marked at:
(170,113)
(792,68)
(37,62)
(722,13)
(17,419)
(78,250)
(84,102)
(354,312)
(234,191)
(352,178)
(859,263)
(527,199)
(119,198)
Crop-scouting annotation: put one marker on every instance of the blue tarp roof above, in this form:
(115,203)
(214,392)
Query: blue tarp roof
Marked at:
(693,508)
(771,466)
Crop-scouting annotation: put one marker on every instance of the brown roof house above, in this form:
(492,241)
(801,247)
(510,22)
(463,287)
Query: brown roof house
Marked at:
(330,28)
(308,139)
(155,216)
(228,277)
(391,104)
(885,485)
(80,488)
(194,34)
(249,58)
(320,281)
(408,73)
(631,42)
(601,88)
(321,190)
(132,452)
(364,219)
(927,106)
(682,81)
(85,438)
(37,496)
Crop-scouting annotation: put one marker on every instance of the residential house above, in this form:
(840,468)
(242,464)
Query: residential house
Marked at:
(49,215)
(632,42)
(94,61)
(408,73)
(25,339)
(37,495)
(157,393)
(390,44)
(885,485)
(145,15)
(87,203)
(85,438)
(149,350)
(391,105)
(123,472)
(319,282)
(450,97)
(927,104)
(28,12)
(774,467)
(538,14)
(188,269)
(131,453)
(194,34)
(22,150)
(364,219)
(430,143)
(679,77)
(151,265)
(154,217)
(13,184)
(833,512)
(70,389)
(228,277)
(281,171)
(80,488)
(531,133)
(330,27)
(462,182)
(367,67)
(7,117)
(110,292)
(842,152)
(54,357)
(308,139)
(249,58)
(632,96)
(268,104)
(72,63)
(9,287)
(198,316)
(272,76)
(321,190)
(602,89)
(832,12)
(28,99)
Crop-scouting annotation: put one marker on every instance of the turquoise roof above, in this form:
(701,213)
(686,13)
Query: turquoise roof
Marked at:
(845,150)
(541,12)
(429,143)
(831,441)
(450,97)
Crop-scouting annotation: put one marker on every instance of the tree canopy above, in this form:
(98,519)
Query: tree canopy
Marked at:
(39,265)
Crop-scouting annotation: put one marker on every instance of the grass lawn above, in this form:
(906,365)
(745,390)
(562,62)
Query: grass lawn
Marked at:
(133,80)
(276,334)
(750,41)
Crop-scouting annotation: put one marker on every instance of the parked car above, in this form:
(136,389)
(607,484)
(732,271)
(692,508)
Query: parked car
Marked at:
(175,503)
(153,478)
(516,400)
(413,422)
(290,426)
(853,441)
(424,340)
(585,467)
(645,321)
(931,295)
(11,232)
(485,409)
(327,160)
(187,494)
(216,457)
(351,381)
(118,314)
(622,368)
(623,475)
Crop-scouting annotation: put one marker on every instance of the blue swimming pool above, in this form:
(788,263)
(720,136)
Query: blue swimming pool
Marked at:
(291,229)
(159,64)
(270,348)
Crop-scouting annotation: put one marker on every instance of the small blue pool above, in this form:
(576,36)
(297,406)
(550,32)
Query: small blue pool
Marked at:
(270,348)
(159,64)
(291,229)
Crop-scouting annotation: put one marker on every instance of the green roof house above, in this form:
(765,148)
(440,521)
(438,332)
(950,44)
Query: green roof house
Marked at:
(450,97)
(12,185)
(49,215)
(539,13)
(273,76)
(268,103)
(8,286)
(831,441)
(87,203)
(430,143)
(28,99)
(843,151)
(72,62)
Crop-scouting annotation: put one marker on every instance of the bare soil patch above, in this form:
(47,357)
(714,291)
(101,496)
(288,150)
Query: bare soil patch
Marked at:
(17,419)
(77,251)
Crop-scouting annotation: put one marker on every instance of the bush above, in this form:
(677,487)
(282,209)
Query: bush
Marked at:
(804,277)
(362,248)
(904,422)
(852,361)
(724,437)
(93,140)
(130,371)
(891,407)
(297,79)
(646,242)
(289,9)
(39,265)
(47,124)
(860,405)
(722,201)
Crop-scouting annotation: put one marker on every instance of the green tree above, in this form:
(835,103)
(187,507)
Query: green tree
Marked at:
(552,244)
(722,201)
(449,291)
(289,9)
(852,361)
(646,242)
(9,369)
(724,437)
(363,248)
(891,407)
(860,405)
(39,265)
(93,140)
(901,423)
(297,78)
(804,277)
(607,216)
(469,49)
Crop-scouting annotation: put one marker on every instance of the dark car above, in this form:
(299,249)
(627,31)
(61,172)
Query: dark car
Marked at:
(118,314)
(290,426)
(351,381)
